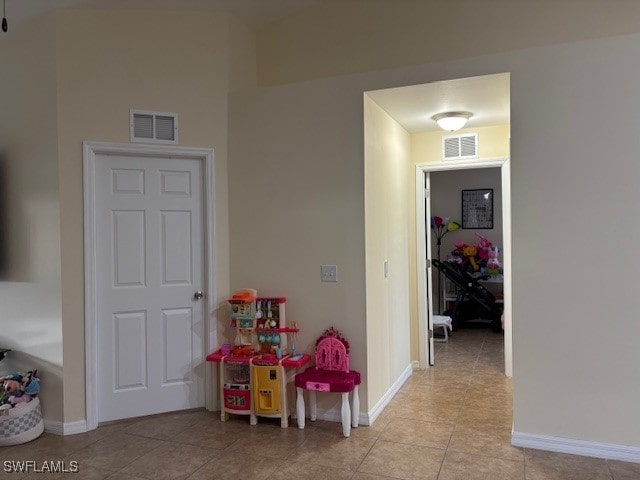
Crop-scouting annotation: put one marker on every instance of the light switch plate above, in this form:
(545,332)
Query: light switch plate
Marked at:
(329,273)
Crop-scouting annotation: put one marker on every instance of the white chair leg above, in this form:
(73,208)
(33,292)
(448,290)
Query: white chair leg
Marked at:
(355,408)
(313,405)
(346,415)
(300,407)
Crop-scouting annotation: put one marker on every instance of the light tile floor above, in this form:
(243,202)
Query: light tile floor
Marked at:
(450,422)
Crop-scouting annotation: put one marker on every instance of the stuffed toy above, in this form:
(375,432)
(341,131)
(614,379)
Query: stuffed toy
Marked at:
(19,388)
(470,252)
(484,245)
(493,264)
(31,383)
(14,391)
(15,400)
(455,257)
(456,254)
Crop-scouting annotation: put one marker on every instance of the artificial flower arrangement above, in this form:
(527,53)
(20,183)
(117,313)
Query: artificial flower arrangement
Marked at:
(442,226)
(483,255)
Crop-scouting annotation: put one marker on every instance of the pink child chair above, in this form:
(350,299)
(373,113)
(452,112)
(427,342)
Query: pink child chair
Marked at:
(330,374)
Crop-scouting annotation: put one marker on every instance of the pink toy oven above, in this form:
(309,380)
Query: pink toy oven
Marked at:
(237,396)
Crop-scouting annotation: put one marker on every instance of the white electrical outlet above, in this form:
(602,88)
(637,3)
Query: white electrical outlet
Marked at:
(329,273)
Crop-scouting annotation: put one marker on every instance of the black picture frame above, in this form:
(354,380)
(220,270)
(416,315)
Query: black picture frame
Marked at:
(477,208)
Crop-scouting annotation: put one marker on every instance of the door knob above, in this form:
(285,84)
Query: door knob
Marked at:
(198,295)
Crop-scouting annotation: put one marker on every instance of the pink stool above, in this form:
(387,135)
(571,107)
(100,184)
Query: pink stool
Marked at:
(330,374)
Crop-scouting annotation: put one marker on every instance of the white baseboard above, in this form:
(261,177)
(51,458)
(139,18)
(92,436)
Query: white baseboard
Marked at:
(68,428)
(386,398)
(367,418)
(576,447)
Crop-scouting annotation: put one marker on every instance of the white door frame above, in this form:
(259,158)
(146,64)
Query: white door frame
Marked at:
(425,314)
(90,151)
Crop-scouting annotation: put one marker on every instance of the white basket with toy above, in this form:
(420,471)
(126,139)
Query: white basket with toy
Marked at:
(20,414)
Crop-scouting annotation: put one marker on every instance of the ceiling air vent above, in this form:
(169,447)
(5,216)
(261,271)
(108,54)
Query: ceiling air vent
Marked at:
(153,127)
(459,147)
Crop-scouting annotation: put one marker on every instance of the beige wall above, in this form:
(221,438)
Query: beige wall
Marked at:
(570,380)
(386,179)
(296,201)
(335,38)
(174,62)
(297,188)
(30,310)
(493,143)
(241,45)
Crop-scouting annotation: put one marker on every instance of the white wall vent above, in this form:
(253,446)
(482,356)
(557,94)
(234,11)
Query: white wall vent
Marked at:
(459,147)
(153,127)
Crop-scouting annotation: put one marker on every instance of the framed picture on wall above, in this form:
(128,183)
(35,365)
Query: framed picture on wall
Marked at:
(477,208)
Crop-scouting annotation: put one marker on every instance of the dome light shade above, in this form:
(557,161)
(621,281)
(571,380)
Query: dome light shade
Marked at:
(452,121)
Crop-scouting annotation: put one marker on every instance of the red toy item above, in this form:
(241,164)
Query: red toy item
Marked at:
(243,296)
(242,351)
(253,381)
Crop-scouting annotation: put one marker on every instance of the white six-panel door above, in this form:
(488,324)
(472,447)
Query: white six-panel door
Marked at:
(149,265)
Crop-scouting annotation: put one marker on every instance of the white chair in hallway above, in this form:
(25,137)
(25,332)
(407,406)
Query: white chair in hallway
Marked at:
(443,322)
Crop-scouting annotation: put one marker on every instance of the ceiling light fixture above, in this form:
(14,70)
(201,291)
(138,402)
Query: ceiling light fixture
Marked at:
(452,121)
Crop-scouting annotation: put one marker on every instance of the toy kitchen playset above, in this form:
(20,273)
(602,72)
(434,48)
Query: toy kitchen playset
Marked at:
(255,372)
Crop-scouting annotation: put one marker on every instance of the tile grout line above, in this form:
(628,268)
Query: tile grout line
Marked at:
(609,469)
(466,394)
(121,470)
(366,455)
